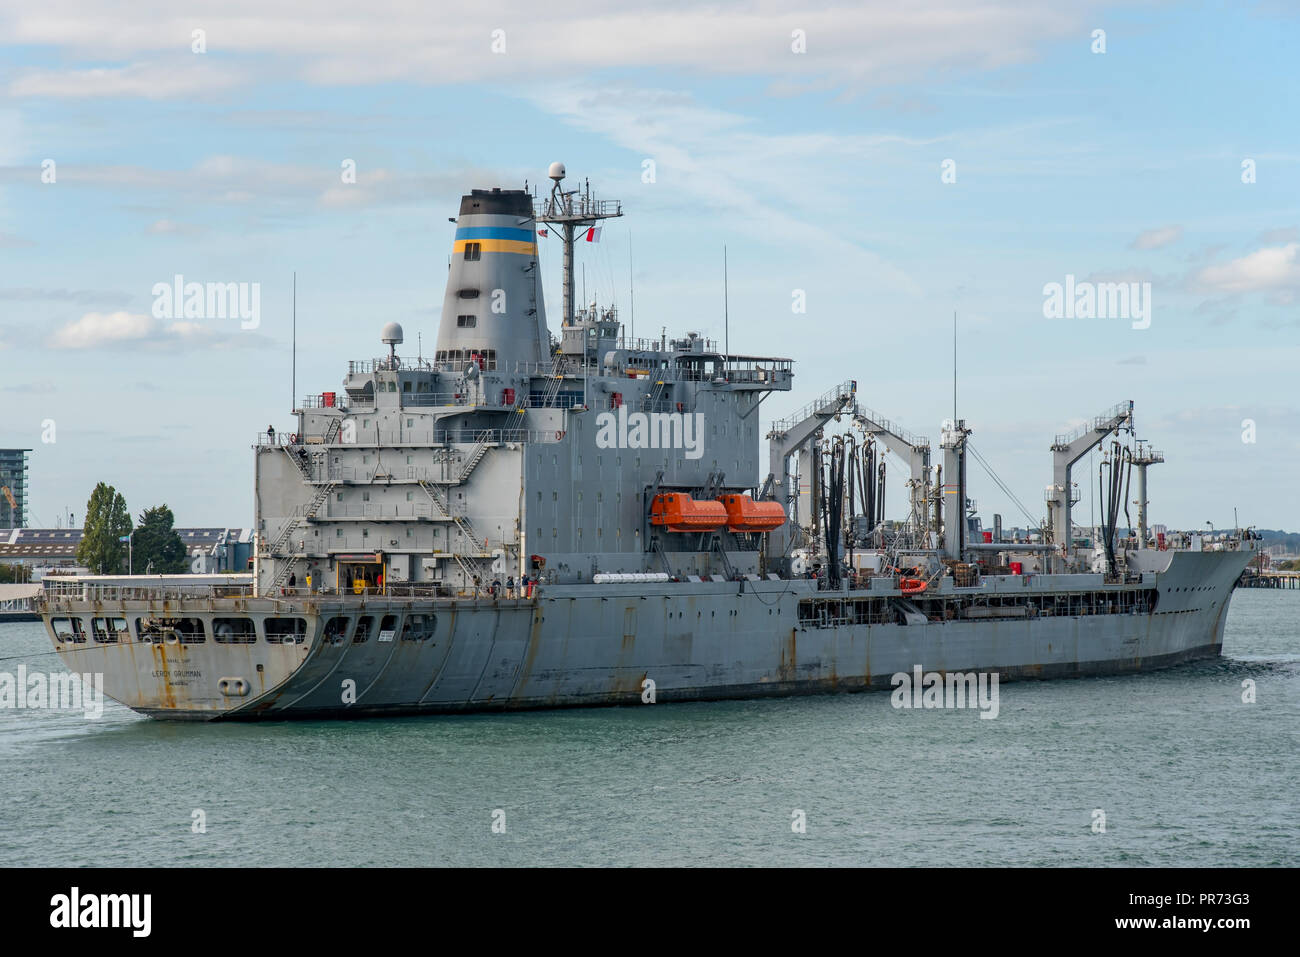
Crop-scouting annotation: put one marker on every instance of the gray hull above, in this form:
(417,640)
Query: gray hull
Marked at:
(585,645)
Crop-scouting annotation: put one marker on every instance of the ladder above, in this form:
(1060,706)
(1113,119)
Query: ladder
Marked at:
(462,523)
(309,512)
(557,380)
(475,456)
(282,573)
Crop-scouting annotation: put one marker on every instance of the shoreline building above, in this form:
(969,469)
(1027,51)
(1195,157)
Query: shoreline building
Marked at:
(13,488)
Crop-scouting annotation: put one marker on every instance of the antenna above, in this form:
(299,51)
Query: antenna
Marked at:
(294,376)
(568,210)
(954,368)
(726,315)
(631,291)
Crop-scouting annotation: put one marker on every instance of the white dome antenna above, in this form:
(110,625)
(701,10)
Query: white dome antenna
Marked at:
(556,172)
(391,336)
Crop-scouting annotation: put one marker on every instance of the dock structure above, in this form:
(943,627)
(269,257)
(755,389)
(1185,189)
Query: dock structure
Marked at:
(18,602)
(1253,579)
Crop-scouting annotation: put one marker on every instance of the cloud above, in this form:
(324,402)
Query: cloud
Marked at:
(1287,234)
(192,77)
(1271,269)
(97,330)
(848,46)
(81,296)
(226,180)
(1156,238)
(168,227)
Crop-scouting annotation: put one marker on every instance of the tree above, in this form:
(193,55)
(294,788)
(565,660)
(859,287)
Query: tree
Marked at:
(107,521)
(156,541)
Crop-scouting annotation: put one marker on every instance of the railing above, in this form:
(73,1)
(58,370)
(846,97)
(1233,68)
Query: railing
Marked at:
(576,205)
(395,511)
(880,422)
(90,591)
(826,405)
(559,401)
(1100,423)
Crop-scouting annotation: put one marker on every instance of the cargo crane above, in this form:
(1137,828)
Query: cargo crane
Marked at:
(788,436)
(1066,451)
(912,449)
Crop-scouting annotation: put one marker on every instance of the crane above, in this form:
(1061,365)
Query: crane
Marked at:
(1068,449)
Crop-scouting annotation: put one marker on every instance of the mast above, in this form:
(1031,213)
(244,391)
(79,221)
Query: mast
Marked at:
(570,210)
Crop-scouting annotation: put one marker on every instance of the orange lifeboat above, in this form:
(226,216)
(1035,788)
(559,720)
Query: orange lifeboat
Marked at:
(911,586)
(746,515)
(679,512)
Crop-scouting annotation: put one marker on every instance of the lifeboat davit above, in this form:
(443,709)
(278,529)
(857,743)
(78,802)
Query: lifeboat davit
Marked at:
(746,515)
(678,512)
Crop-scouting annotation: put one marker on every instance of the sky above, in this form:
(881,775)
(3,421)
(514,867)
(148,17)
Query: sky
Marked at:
(871,168)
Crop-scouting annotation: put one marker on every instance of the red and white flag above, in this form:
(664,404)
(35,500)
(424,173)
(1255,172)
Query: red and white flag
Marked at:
(593,234)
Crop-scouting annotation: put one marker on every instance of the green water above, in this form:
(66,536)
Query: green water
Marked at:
(1186,773)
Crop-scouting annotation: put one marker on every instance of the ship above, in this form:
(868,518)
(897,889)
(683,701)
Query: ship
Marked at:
(527,520)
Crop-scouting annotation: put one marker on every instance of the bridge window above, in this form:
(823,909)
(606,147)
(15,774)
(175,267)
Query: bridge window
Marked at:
(466,322)
(234,631)
(473,252)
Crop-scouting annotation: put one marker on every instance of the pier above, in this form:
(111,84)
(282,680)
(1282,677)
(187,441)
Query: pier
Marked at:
(1251,579)
(18,602)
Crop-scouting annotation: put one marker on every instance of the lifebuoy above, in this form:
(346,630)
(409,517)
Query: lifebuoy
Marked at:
(293,438)
(559,435)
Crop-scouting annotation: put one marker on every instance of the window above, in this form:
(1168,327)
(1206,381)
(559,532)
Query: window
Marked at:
(69,629)
(336,630)
(187,631)
(286,631)
(106,630)
(408,496)
(466,322)
(468,294)
(234,631)
(419,628)
(410,423)
(340,498)
(473,252)
(362,634)
(406,387)
(338,533)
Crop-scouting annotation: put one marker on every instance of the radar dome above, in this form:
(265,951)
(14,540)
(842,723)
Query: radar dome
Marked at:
(392,334)
(556,171)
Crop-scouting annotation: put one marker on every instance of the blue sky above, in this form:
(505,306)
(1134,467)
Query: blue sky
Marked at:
(819,171)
